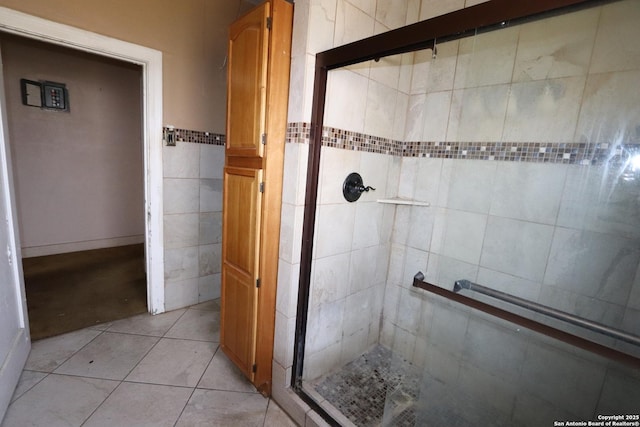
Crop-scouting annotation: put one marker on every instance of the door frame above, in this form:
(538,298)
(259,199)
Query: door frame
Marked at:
(150,60)
(11,365)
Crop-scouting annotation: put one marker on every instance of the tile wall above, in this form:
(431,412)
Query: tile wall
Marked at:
(193,171)
(534,380)
(556,221)
(562,235)
(355,243)
(351,250)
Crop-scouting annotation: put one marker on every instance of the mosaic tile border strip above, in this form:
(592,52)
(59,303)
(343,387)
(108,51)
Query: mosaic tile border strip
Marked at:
(199,137)
(344,139)
(537,152)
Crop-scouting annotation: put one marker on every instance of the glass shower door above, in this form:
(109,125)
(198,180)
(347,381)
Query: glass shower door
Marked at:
(535,182)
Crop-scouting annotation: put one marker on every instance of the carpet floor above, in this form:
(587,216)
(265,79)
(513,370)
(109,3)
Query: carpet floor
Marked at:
(71,291)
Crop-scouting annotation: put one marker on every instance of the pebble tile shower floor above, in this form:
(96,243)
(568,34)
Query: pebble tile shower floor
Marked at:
(360,389)
(382,389)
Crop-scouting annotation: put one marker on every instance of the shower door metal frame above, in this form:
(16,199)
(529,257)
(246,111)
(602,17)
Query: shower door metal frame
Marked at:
(483,17)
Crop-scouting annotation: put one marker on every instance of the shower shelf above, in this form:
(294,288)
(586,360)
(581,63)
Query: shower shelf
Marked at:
(402,201)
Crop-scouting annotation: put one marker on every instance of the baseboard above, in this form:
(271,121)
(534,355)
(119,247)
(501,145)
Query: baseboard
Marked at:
(62,248)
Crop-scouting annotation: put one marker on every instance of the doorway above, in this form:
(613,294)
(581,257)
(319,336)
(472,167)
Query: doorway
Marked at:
(150,63)
(78,181)
(14,325)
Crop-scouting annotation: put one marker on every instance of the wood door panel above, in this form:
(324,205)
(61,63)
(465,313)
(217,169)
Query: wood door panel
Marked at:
(240,245)
(241,217)
(246,83)
(239,327)
(257,95)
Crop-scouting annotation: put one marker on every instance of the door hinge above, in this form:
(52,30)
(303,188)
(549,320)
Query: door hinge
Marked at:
(262,187)
(258,283)
(264,139)
(254,368)
(269,22)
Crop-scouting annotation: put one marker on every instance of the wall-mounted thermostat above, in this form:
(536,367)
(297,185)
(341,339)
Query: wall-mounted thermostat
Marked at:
(44,94)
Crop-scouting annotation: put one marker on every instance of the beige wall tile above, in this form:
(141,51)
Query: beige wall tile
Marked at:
(487,58)
(387,71)
(380,110)
(478,114)
(556,47)
(616,47)
(321,25)
(346,100)
(516,247)
(610,111)
(437,106)
(528,191)
(392,14)
(415,118)
(544,111)
(352,23)
(431,8)
(329,278)
(471,185)
(335,165)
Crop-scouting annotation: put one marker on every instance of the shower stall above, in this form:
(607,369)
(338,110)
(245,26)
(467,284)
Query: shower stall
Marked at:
(505,158)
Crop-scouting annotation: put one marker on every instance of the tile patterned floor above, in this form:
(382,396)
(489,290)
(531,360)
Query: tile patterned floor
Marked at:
(382,389)
(374,389)
(164,370)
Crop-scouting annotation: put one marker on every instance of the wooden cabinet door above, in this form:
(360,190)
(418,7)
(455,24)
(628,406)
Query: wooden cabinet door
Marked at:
(240,246)
(257,95)
(247,83)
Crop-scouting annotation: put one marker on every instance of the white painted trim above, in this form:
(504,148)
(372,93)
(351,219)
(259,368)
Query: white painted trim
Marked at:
(11,366)
(87,245)
(11,370)
(13,237)
(151,61)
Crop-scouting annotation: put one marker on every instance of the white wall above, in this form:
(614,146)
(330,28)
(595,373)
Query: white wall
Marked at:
(78,174)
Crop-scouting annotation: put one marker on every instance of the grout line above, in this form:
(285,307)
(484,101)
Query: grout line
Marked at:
(100,332)
(142,358)
(125,381)
(162,337)
(30,388)
(118,383)
(101,403)
(193,390)
(208,365)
